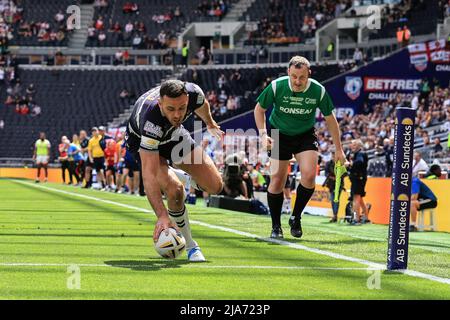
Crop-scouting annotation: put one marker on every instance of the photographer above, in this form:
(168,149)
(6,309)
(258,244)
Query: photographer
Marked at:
(233,177)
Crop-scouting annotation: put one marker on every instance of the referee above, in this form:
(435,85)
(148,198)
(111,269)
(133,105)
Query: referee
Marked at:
(295,99)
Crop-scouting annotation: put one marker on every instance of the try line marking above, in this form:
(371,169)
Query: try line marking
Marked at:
(338,256)
(169,265)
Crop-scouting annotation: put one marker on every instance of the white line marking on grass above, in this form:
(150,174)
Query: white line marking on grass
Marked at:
(338,256)
(168,265)
(380,239)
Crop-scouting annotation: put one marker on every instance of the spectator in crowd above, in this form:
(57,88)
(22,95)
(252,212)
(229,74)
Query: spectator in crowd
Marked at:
(185,54)
(437,148)
(162,39)
(208,59)
(236,77)
(399,35)
(101,38)
(60,59)
(424,89)
(126,57)
(99,24)
(64,157)
(222,82)
(231,104)
(258,180)
(30,91)
(201,55)
(137,41)
(59,17)
(223,97)
(129,27)
(101,5)
(130,7)
(419,165)
(124,94)
(406,36)
(118,58)
(104,4)
(177,13)
(435,172)
(358,57)
(115,28)
(127,96)
(92,36)
(35,110)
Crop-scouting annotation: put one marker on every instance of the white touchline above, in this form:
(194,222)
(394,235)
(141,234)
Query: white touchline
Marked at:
(168,265)
(370,264)
(379,239)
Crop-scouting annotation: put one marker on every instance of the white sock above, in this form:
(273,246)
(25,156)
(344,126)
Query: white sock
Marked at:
(182,220)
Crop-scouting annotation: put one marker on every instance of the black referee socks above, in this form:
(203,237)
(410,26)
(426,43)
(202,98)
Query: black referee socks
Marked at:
(302,198)
(275,202)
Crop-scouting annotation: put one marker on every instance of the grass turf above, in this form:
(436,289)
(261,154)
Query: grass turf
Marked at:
(43,231)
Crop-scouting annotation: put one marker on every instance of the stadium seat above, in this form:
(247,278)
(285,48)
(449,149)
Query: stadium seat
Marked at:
(421,226)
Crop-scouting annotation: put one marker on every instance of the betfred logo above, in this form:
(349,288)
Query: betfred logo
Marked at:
(372,84)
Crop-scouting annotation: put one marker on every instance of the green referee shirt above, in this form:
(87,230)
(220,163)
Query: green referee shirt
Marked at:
(295,112)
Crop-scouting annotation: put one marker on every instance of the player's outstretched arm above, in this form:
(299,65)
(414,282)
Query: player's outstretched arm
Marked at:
(150,167)
(204,112)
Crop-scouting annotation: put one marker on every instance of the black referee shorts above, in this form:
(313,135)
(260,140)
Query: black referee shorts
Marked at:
(287,146)
(358,186)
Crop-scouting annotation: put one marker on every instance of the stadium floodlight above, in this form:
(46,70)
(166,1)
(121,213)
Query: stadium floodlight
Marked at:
(397,257)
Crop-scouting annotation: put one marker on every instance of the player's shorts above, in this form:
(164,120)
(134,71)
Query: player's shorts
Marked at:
(88,163)
(42,159)
(99,164)
(358,186)
(173,150)
(177,150)
(287,146)
(427,204)
(111,168)
(131,165)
